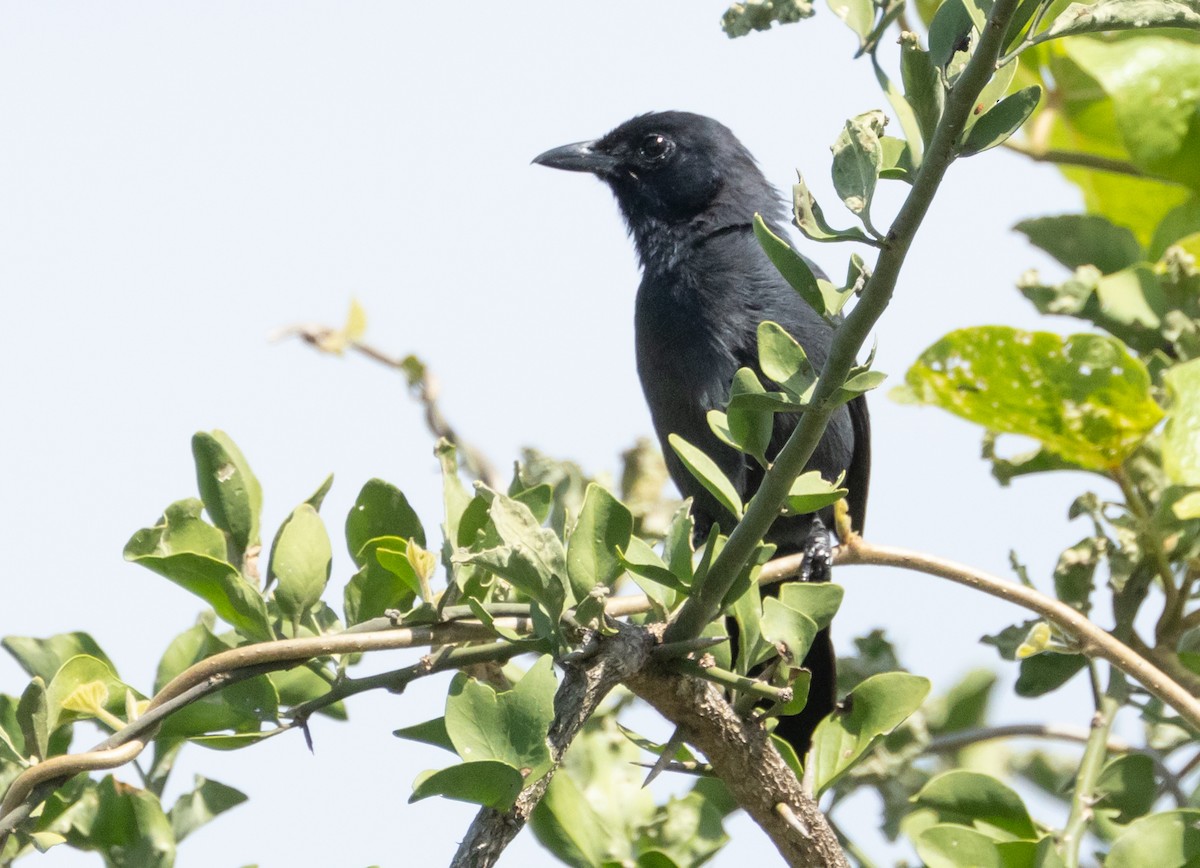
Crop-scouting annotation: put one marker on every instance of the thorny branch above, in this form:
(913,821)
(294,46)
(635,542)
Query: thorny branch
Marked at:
(742,755)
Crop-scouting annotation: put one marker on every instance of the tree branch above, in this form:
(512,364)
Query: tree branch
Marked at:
(585,684)
(742,755)
(1075,158)
(1083,796)
(955,741)
(1094,641)
(423,384)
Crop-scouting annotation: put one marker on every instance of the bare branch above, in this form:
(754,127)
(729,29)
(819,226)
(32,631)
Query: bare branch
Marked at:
(955,741)
(1094,640)
(421,382)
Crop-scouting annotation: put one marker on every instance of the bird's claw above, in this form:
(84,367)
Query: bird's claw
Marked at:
(818,554)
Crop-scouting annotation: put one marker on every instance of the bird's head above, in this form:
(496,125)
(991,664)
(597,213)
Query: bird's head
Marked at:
(672,167)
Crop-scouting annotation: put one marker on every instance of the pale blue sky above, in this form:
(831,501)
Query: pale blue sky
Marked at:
(178,180)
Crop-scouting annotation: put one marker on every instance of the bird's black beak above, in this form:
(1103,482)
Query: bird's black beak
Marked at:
(579,157)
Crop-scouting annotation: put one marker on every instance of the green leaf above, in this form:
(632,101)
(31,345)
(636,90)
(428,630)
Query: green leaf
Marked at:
(952,846)
(857,157)
(510,726)
(1127,304)
(922,87)
(858,15)
(539,499)
(240,707)
(899,157)
(491,783)
(896,162)
(318,497)
(810,220)
(964,706)
(33,719)
(605,525)
(386,580)
(875,707)
(566,824)
(130,827)
(1084,239)
(643,561)
(975,799)
(191,553)
(747,611)
(430,732)
(381,510)
(1153,81)
(1004,119)
(230,491)
(795,270)
(302,684)
(801,685)
(1181,436)
(995,90)
(528,556)
(1085,398)
(751,429)
(85,687)
(1074,574)
(810,493)
(237,741)
(819,601)
(1181,222)
(1045,673)
(1114,15)
(1172,836)
(948,32)
(207,800)
(455,496)
(708,474)
(783,360)
(790,631)
(42,658)
(1126,787)
(301,561)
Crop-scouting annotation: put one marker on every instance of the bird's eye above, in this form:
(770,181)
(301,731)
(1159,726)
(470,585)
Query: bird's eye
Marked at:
(655,148)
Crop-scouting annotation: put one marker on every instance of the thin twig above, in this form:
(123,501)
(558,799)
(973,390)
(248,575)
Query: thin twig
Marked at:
(424,386)
(955,741)
(1074,158)
(449,657)
(1083,796)
(1094,641)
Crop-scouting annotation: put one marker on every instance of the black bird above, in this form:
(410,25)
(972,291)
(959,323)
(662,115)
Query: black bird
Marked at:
(689,190)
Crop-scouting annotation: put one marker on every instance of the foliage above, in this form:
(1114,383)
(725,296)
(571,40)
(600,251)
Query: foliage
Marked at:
(528,570)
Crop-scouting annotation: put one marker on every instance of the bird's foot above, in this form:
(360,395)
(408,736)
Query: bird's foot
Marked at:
(818,554)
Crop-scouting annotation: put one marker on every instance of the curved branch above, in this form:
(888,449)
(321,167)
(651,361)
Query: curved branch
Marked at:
(955,741)
(423,384)
(1075,158)
(1095,641)
(214,673)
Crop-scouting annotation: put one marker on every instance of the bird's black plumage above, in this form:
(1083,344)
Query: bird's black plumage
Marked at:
(689,190)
